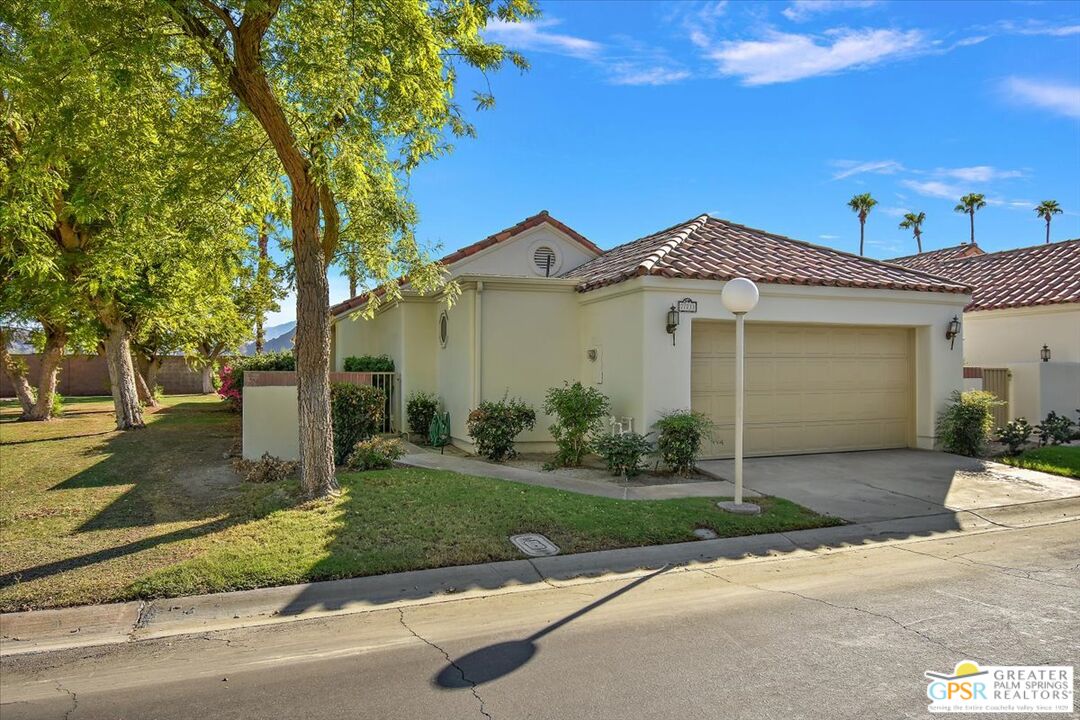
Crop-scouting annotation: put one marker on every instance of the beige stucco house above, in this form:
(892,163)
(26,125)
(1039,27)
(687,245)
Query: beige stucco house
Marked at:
(1024,299)
(843,352)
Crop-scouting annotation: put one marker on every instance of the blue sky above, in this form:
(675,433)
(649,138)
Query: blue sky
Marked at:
(637,115)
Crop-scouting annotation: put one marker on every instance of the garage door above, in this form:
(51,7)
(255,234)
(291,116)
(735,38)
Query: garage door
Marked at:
(809,388)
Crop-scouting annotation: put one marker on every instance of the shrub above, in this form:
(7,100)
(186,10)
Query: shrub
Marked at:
(159,393)
(494,425)
(965,425)
(421,409)
(579,410)
(624,452)
(356,412)
(56,409)
(369,363)
(266,469)
(1054,429)
(1015,434)
(375,453)
(231,375)
(681,434)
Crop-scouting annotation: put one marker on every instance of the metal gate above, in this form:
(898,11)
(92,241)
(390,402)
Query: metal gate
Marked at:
(996,381)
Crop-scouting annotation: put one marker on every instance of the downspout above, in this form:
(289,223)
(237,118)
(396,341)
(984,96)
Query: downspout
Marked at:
(478,338)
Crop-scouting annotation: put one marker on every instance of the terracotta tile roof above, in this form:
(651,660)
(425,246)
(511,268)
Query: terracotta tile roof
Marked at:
(540,218)
(1037,275)
(713,249)
(931,260)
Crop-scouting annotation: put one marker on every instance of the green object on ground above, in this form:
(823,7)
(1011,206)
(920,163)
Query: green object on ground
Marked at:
(1054,459)
(91,515)
(439,430)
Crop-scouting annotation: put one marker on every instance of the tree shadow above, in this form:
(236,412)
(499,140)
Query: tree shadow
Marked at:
(500,659)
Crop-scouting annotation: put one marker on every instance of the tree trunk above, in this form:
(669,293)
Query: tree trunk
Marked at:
(55,339)
(918,241)
(862,235)
(16,372)
(122,376)
(1047,232)
(262,277)
(972,215)
(145,389)
(312,345)
(207,379)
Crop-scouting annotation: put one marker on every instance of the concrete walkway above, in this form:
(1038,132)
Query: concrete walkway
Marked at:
(466,466)
(884,484)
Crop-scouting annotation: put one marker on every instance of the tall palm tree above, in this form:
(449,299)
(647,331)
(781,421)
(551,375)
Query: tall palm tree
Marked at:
(969,204)
(862,205)
(1046,210)
(913,222)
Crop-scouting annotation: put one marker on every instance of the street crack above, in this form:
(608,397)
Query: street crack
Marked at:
(74,700)
(1018,573)
(450,661)
(852,608)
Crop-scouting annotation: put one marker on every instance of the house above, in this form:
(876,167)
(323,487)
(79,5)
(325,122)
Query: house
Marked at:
(1024,300)
(844,352)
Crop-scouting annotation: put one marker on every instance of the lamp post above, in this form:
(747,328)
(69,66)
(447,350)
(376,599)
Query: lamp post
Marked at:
(739,297)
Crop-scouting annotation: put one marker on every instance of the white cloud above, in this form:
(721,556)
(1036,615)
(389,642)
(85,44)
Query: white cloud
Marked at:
(784,57)
(533,35)
(801,10)
(847,168)
(934,188)
(829,237)
(978,173)
(1056,97)
(1038,27)
(630,74)
(893,211)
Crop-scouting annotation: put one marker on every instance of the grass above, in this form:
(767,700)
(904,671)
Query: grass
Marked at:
(1054,459)
(90,515)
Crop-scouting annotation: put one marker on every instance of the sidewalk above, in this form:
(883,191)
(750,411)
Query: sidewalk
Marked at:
(44,630)
(466,466)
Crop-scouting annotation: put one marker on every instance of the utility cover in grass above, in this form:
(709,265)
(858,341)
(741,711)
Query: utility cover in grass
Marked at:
(534,545)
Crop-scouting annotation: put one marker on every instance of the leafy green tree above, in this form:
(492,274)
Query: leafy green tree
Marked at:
(349,98)
(969,205)
(861,205)
(1047,209)
(914,221)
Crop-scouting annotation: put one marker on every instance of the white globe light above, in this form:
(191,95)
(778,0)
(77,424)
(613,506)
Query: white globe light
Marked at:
(740,295)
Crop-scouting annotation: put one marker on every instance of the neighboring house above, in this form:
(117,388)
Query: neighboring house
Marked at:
(844,352)
(1023,299)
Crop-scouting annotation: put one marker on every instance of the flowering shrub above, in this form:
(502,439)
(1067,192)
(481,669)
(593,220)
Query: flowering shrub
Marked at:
(494,425)
(229,390)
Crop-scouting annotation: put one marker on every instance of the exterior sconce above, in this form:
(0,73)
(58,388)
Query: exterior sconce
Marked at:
(952,331)
(1045,353)
(591,354)
(672,323)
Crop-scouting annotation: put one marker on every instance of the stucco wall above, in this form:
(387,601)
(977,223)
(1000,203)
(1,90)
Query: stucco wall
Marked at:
(612,323)
(997,338)
(454,364)
(1037,388)
(271,421)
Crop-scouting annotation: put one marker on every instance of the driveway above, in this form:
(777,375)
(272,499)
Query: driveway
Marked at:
(889,484)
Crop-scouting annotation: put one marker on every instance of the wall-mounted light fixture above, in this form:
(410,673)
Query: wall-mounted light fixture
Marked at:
(672,323)
(1045,353)
(952,331)
(591,354)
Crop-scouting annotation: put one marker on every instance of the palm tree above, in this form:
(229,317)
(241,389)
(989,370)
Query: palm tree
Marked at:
(862,205)
(969,204)
(913,222)
(1046,210)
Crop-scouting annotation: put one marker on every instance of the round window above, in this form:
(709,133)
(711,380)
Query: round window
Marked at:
(443,329)
(545,261)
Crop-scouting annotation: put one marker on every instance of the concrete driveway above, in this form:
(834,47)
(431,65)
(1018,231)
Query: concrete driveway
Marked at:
(888,484)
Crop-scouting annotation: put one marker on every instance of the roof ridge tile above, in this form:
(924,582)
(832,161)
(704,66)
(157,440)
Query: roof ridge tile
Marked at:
(689,228)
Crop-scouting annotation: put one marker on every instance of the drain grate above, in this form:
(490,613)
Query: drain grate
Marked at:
(534,545)
(705,534)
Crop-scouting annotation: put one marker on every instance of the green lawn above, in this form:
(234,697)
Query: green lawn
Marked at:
(90,515)
(1056,459)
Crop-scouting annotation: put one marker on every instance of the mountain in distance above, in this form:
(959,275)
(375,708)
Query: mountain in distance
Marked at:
(278,337)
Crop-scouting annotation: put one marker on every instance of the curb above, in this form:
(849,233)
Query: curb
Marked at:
(84,626)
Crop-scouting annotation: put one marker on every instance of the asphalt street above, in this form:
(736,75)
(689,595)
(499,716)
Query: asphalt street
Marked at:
(842,635)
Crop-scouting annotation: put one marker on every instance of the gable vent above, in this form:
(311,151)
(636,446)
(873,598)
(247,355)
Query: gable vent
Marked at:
(544,260)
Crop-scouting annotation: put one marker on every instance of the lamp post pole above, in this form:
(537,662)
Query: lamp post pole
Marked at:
(740,363)
(739,296)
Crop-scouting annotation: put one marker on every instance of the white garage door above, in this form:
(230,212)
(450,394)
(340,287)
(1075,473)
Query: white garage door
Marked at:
(809,388)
